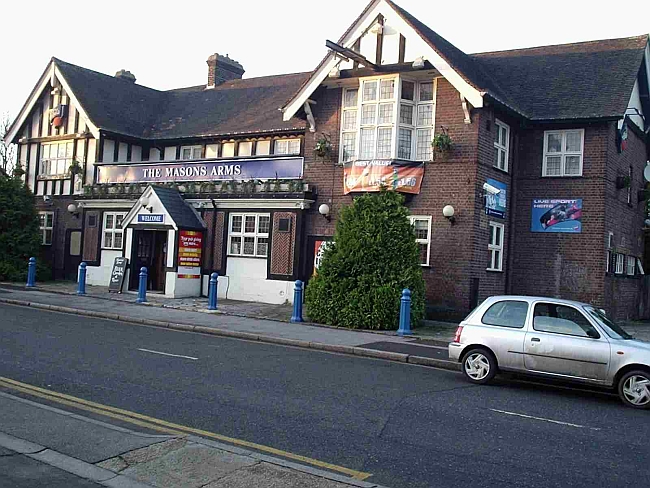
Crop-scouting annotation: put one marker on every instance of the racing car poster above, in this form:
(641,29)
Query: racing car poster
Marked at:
(556,215)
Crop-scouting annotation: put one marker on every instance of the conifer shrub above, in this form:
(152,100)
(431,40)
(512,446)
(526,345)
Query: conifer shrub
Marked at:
(20,236)
(373,257)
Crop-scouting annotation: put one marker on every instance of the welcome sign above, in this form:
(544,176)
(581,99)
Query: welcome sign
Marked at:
(217,170)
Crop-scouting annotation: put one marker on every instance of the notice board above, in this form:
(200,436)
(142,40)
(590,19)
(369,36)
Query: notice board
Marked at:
(117,275)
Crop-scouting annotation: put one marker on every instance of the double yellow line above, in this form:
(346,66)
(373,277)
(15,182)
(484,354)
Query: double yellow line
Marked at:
(167,427)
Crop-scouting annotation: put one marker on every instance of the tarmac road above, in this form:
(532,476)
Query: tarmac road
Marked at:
(409,426)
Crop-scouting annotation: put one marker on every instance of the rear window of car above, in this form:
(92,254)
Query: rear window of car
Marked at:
(506,313)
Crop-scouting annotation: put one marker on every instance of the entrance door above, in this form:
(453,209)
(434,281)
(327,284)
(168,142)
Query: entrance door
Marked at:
(149,250)
(72,254)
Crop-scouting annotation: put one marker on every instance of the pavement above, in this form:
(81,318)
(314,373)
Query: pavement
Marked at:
(42,445)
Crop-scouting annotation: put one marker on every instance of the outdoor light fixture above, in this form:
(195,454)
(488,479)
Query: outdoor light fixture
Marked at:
(324,210)
(448,212)
(74,210)
(144,201)
(418,63)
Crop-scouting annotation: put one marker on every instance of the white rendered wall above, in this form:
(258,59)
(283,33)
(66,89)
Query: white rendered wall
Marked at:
(245,280)
(100,275)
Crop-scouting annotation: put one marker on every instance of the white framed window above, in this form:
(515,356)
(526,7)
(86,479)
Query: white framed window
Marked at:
(495,247)
(191,152)
(386,118)
(630,265)
(287,146)
(245,148)
(113,233)
(563,150)
(610,243)
(501,144)
(248,234)
(422,226)
(46,226)
(619,263)
(639,266)
(629,187)
(56,158)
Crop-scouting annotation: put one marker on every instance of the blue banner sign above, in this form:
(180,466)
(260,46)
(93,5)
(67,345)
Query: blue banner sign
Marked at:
(557,215)
(495,204)
(151,218)
(215,170)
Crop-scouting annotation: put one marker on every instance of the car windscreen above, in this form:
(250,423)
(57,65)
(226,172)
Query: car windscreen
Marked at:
(611,329)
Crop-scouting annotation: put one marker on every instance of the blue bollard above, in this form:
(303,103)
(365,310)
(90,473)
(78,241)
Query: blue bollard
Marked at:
(81,289)
(142,288)
(297,303)
(31,273)
(405,314)
(212,291)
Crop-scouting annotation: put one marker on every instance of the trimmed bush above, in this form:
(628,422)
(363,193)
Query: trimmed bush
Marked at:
(20,236)
(374,256)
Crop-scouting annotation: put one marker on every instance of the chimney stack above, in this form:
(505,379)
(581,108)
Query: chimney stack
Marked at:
(125,75)
(221,69)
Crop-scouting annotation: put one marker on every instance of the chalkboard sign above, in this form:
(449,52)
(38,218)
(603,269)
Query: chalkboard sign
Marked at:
(117,275)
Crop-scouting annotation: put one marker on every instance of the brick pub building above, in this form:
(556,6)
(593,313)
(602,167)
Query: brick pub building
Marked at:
(541,188)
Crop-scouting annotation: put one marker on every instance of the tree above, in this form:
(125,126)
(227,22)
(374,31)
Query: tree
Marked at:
(7,151)
(374,256)
(19,230)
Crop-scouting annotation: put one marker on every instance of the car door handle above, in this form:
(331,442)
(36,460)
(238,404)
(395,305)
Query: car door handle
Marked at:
(535,339)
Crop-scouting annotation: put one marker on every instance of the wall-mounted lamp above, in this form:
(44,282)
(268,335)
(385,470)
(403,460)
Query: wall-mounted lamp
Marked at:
(324,210)
(73,210)
(418,63)
(448,213)
(144,201)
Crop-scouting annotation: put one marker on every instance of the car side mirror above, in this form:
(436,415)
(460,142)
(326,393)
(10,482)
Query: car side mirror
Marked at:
(593,334)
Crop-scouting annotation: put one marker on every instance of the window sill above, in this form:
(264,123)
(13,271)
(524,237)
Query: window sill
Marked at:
(504,171)
(561,176)
(246,256)
(493,270)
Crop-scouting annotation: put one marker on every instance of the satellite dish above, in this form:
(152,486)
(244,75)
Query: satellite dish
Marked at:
(646,171)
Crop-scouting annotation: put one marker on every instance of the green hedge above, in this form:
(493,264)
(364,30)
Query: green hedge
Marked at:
(374,256)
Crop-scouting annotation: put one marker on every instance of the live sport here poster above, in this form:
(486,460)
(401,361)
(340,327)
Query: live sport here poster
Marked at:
(556,215)
(190,243)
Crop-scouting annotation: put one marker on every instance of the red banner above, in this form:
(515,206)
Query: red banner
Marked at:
(371,175)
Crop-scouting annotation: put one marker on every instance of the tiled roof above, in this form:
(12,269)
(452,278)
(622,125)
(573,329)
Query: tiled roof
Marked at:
(568,81)
(183,215)
(235,107)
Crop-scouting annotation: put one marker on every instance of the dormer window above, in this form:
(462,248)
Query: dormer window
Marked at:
(388,118)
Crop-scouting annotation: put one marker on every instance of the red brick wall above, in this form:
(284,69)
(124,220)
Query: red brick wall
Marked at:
(622,293)
(561,265)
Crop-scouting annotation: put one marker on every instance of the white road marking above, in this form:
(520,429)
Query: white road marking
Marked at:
(167,354)
(545,420)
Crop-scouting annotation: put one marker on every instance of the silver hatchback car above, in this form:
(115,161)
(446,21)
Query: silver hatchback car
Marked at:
(553,338)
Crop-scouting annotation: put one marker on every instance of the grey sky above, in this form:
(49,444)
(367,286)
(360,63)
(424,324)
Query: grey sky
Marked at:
(165,44)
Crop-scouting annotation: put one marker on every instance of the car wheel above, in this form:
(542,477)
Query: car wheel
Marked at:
(479,366)
(634,389)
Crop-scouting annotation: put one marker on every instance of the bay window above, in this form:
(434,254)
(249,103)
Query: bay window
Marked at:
(387,118)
